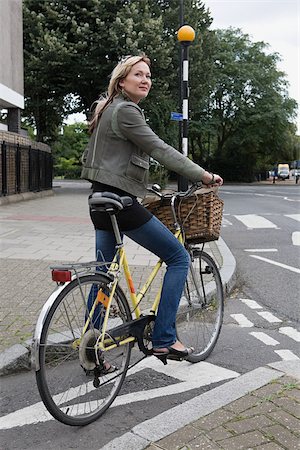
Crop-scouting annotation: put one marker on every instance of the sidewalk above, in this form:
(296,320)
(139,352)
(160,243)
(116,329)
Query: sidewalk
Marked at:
(38,233)
(258,410)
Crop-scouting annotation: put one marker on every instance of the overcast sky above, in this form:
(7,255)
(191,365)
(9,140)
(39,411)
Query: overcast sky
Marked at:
(276,22)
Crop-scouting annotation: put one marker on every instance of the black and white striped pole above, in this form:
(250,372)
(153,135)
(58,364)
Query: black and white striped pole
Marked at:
(185,36)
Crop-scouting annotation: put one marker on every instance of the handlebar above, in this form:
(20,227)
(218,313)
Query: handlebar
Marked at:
(174,196)
(156,189)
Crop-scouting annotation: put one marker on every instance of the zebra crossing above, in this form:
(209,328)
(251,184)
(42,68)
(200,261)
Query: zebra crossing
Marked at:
(255,221)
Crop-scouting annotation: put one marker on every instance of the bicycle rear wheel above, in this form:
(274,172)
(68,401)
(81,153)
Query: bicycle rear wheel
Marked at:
(200,314)
(68,360)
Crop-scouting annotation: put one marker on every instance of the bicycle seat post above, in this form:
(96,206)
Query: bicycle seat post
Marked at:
(116,230)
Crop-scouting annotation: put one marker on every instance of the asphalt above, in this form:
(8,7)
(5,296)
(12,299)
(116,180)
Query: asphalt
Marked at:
(260,409)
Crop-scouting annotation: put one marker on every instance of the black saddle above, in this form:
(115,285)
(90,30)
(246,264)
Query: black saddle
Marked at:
(109,202)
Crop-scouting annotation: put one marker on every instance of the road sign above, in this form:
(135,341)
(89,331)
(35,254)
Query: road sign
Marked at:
(176,116)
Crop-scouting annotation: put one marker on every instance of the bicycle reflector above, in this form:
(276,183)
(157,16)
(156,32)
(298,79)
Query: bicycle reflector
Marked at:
(61,276)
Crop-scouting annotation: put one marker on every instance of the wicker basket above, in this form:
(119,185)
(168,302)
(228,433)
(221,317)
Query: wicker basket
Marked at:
(200,215)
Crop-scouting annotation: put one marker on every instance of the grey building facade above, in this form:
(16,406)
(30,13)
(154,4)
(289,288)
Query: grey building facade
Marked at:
(11,62)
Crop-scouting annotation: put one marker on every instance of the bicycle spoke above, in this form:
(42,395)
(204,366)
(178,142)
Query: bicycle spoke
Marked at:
(200,313)
(68,358)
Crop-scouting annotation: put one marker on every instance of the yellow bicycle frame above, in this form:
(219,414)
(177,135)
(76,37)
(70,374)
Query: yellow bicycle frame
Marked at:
(120,261)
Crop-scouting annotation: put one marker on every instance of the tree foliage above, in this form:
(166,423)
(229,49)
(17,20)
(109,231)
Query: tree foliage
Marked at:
(240,112)
(247,116)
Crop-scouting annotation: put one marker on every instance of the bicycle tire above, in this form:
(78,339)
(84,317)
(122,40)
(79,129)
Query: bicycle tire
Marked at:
(66,376)
(200,313)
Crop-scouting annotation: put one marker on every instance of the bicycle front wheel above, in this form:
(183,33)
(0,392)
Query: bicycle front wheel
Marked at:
(200,314)
(77,382)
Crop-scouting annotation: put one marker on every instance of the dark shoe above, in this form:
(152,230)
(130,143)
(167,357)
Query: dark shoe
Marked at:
(108,368)
(172,353)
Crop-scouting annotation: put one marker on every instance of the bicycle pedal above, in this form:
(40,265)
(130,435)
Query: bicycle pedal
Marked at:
(175,357)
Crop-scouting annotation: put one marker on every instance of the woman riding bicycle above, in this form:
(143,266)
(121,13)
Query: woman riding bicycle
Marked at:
(117,160)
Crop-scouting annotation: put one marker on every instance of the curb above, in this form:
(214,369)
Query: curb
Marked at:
(25,196)
(18,357)
(166,423)
(228,269)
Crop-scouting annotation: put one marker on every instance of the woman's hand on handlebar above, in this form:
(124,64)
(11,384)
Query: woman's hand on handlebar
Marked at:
(212,179)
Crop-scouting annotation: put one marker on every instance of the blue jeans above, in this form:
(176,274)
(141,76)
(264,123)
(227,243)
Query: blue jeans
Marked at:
(156,238)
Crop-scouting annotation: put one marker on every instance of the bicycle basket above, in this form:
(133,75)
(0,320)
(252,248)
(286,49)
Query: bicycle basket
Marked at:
(200,215)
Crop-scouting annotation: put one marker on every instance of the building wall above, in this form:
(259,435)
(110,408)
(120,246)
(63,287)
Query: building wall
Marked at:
(11,54)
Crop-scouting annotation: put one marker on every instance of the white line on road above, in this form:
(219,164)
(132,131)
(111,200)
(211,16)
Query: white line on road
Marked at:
(263,337)
(226,222)
(255,221)
(293,216)
(276,263)
(251,303)
(242,320)
(269,316)
(191,376)
(257,250)
(286,355)
(290,332)
(296,238)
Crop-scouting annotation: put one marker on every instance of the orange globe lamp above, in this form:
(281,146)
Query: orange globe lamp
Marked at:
(186,34)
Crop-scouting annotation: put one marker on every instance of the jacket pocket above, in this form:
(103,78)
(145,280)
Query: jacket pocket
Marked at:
(137,168)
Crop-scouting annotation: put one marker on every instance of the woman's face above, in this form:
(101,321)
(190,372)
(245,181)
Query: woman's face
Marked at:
(137,83)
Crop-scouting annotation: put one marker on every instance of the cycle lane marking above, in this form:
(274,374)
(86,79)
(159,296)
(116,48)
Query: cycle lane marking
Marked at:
(253,221)
(291,333)
(189,376)
(284,354)
(296,237)
(293,216)
(260,250)
(242,320)
(252,304)
(265,338)
(269,317)
(276,263)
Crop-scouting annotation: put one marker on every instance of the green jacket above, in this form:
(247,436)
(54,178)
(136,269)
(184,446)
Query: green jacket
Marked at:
(119,149)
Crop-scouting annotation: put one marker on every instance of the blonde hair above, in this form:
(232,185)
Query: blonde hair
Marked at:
(120,72)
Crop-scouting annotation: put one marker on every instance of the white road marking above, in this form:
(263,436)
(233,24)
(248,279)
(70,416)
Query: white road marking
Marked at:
(257,250)
(276,263)
(296,238)
(286,355)
(263,337)
(269,316)
(191,376)
(254,221)
(293,216)
(251,303)
(290,332)
(242,320)
(226,222)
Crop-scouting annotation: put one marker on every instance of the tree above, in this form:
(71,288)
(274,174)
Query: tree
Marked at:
(247,113)
(45,55)
(72,46)
(68,148)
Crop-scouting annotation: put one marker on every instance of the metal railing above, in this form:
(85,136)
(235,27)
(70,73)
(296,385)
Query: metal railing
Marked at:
(23,169)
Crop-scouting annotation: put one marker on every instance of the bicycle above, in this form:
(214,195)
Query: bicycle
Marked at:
(86,329)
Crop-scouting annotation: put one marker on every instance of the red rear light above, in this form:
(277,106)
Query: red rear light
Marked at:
(61,276)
